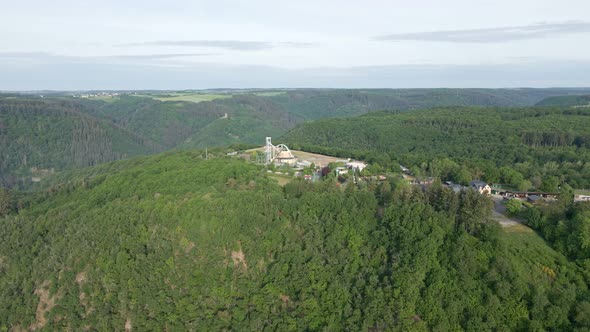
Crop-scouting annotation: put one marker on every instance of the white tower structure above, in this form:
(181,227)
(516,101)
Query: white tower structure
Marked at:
(280,153)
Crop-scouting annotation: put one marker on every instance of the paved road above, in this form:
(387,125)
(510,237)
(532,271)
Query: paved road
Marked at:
(499,213)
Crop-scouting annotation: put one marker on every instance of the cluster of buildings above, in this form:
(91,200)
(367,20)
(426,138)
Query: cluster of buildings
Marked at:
(97,94)
(350,166)
(486,189)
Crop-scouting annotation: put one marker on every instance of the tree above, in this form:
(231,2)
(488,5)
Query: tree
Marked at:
(5,202)
(474,211)
(385,194)
(549,184)
(513,206)
(463,176)
(566,195)
(533,217)
(524,185)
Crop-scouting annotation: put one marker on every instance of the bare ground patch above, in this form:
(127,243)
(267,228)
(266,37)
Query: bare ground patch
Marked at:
(239,259)
(81,278)
(46,303)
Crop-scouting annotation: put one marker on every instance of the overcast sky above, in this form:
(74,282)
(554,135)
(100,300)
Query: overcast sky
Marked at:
(178,44)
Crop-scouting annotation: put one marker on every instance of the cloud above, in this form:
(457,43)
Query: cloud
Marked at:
(24,54)
(235,45)
(113,76)
(493,35)
(52,56)
(157,56)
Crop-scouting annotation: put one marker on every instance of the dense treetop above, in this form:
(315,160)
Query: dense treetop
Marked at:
(534,143)
(566,101)
(176,242)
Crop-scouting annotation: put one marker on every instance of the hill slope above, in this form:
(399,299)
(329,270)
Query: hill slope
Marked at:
(48,134)
(132,125)
(553,141)
(174,242)
(566,101)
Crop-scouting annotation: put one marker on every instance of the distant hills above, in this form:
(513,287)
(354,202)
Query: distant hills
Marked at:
(541,141)
(40,136)
(566,101)
(59,131)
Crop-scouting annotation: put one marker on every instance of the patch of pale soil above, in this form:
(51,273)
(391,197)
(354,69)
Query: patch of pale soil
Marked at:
(239,259)
(81,278)
(284,298)
(191,245)
(3,263)
(45,305)
(128,326)
(84,302)
(83,297)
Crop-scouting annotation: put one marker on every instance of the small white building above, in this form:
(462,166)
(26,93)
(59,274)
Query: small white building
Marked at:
(341,170)
(356,165)
(582,198)
(481,187)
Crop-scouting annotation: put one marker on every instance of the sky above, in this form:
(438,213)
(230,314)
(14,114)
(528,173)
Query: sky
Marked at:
(178,44)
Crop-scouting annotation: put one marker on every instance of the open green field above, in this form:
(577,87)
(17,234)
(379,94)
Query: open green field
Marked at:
(520,228)
(281,179)
(108,99)
(530,250)
(191,97)
(269,93)
(197,97)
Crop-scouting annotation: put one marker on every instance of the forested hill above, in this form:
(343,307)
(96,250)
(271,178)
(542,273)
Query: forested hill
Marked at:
(566,101)
(540,144)
(38,136)
(316,104)
(175,242)
(61,132)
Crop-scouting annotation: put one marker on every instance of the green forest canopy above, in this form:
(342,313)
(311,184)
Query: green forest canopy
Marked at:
(176,242)
(60,132)
(509,145)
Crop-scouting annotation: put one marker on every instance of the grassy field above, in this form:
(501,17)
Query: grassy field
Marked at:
(108,99)
(519,228)
(192,97)
(282,180)
(536,258)
(269,93)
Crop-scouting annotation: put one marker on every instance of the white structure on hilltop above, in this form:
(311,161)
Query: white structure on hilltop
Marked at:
(278,154)
(357,166)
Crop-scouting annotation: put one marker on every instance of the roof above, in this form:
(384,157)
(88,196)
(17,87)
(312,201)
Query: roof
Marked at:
(478,183)
(534,198)
(285,155)
(356,163)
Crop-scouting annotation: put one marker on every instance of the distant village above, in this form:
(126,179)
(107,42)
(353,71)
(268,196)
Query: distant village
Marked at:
(100,94)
